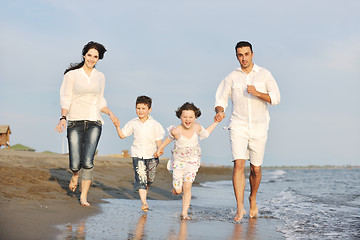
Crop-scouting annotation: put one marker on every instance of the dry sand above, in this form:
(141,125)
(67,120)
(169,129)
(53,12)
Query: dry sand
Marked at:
(34,195)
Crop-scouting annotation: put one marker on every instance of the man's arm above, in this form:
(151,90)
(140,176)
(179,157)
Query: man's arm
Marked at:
(263,96)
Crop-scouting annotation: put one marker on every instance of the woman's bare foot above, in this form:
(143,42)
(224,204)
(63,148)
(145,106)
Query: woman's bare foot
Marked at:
(239,215)
(73,183)
(253,208)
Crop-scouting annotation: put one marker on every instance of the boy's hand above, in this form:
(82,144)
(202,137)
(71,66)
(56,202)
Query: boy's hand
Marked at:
(117,123)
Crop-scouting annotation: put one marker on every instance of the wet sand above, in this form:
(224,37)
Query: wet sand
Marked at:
(34,195)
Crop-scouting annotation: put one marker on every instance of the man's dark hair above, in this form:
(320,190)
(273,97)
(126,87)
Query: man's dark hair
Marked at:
(243,44)
(188,106)
(144,100)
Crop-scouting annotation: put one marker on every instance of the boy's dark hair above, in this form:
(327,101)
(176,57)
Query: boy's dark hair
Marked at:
(188,106)
(243,44)
(144,100)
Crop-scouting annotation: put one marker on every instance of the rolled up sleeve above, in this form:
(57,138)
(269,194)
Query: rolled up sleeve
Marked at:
(273,90)
(102,100)
(66,91)
(223,93)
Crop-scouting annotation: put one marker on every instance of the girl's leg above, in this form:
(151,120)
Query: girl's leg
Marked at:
(143,195)
(186,200)
(74,181)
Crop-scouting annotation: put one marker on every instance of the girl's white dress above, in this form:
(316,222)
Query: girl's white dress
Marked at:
(186,155)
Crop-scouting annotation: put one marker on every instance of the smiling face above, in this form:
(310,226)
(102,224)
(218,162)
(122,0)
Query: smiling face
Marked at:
(91,58)
(245,57)
(142,111)
(187,118)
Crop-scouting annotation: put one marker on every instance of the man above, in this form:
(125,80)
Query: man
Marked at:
(251,89)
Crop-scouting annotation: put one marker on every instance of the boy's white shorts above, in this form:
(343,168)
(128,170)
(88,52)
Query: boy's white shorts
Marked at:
(252,149)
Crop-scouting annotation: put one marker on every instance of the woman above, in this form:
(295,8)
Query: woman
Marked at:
(82,101)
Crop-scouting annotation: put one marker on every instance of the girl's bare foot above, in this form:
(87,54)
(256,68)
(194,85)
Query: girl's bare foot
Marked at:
(175,192)
(185,217)
(239,215)
(73,183)
(253,208)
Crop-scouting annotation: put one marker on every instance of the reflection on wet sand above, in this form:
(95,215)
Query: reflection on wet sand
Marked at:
(79,232)
(139,230)
(182,232)
(250,232)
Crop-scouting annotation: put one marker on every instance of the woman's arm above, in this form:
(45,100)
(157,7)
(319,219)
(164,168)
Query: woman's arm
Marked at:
(62,123)
(112,116)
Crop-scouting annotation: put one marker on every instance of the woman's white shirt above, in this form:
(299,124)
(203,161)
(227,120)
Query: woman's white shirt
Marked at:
(83,95)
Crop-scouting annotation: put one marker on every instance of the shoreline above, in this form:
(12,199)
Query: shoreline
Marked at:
(35,196)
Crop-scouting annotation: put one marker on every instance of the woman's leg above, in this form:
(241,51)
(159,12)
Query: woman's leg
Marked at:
(75,139)
(92,133)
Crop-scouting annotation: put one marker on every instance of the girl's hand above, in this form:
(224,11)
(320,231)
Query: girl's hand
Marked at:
(61,126)
(158,153)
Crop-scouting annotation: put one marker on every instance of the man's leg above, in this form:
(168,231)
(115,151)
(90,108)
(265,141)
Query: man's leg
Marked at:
(255,178)
(239,187)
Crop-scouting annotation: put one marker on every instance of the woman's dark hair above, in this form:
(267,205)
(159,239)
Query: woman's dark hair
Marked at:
(90,45)
(188,106)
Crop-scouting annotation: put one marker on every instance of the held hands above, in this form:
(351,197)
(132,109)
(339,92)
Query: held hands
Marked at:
(220,114)
(114,119)
(61,126)
(158,153)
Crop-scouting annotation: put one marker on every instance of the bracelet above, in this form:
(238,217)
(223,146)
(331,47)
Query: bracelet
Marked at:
(63,117)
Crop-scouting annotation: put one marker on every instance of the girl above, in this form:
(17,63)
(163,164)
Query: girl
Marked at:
(82,100)
(186,153)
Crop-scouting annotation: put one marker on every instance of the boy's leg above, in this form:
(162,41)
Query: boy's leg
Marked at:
(140,180)
(151,165)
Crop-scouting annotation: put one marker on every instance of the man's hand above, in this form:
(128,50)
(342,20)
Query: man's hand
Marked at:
(220,115)
(251,89)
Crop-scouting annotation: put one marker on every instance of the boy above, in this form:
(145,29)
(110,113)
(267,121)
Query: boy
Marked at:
(148,135)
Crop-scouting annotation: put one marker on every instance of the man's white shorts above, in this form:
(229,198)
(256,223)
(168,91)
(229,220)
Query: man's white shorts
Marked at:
(252,149)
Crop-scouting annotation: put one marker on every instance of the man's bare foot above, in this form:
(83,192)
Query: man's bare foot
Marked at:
(239,215)
(73,183)
(253,208)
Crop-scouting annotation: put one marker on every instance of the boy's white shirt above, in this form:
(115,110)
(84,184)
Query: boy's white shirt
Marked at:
(145,136)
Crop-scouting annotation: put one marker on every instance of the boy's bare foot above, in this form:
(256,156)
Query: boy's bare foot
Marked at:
(185,217)
(239,215)
(73,183)
(253,208)
(145,208)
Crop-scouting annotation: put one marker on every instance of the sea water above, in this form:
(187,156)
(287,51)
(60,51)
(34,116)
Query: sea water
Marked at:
(293,204)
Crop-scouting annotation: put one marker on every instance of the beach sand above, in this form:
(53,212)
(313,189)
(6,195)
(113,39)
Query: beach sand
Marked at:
(34,195)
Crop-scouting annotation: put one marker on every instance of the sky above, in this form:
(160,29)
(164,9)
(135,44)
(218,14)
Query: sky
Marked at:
(179,51)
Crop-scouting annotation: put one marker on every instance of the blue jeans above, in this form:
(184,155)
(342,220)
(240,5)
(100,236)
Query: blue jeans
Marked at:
(144,172)
(83,138)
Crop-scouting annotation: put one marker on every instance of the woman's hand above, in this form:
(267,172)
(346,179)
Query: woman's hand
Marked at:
(61,126)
